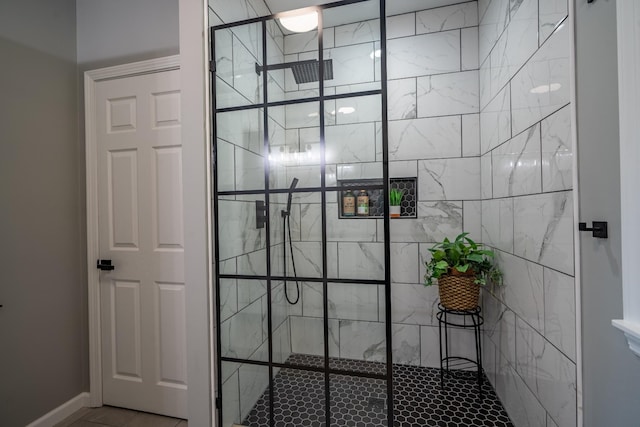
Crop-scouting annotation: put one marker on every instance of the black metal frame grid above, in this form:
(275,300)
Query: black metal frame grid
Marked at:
(323,190)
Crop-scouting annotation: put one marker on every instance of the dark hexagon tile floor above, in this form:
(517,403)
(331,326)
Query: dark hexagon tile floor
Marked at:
(299,398)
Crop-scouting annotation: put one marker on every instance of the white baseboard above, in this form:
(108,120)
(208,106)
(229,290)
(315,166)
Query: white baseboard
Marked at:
(58,414)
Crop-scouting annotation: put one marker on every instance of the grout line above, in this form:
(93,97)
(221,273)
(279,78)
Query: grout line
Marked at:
(541,157)
(529,127)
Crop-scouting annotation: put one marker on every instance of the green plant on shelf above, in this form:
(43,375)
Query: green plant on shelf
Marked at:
(395,197)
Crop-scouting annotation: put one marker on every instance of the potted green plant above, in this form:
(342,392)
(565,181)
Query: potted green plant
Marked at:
(460,267)
(395,199)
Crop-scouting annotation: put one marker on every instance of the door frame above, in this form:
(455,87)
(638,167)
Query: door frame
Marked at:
(91,78)
(577,256)
(628,13)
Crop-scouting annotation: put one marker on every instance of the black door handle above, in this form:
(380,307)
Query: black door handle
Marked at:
(599,229)
(105,265)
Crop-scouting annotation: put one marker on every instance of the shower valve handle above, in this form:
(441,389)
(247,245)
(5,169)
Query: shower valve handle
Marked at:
(261,214)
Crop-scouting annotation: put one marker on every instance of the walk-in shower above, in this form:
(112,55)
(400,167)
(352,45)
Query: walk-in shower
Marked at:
(300,301)
(302,286)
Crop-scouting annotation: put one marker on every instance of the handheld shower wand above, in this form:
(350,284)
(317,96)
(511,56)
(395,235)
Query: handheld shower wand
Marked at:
(292,187)
(286,225)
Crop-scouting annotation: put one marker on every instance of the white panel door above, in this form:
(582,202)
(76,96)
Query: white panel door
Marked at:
(141,232)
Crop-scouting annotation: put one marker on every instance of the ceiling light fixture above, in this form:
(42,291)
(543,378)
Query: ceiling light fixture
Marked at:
(546,88)
(300,23)
(346,110)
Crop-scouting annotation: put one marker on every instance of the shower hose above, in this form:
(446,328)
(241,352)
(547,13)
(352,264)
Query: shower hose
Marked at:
(286,225)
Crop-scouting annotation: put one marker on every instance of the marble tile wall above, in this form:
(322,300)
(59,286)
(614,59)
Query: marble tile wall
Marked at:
(479,112)
(527,207)
(434,135)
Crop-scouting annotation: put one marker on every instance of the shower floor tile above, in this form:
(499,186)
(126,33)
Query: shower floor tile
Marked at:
(360,402)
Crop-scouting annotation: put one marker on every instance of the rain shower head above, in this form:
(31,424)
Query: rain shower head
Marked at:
(303,71)
(307,71)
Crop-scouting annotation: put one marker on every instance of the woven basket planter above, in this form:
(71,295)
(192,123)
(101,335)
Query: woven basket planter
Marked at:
(458,292)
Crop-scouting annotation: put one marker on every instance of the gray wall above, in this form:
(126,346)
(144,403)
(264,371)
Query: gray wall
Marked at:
(611,386)
(43,324)
(121,31)
(43,361)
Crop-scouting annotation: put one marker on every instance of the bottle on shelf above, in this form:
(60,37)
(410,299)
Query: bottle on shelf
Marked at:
(363,203)
(348,204)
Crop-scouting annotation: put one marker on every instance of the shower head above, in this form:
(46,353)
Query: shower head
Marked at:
(303,71)
(294,184)
(308,71)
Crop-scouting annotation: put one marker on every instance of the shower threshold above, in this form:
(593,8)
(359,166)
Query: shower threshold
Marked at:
(299,398)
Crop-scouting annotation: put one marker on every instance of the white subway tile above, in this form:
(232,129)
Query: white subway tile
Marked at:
(447,18)
(424,55)
(449,179)
(557,151)
(516,165)
(448,94)
(401,25)
(438,137)
(543,84)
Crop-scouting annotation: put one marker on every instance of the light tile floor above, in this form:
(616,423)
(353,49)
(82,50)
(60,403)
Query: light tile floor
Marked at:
(108,416)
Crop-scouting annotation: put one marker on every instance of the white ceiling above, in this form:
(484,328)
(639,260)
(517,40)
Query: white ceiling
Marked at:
(394,7)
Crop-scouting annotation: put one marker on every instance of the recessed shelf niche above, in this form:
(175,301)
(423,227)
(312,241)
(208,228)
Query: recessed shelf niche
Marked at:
(408,207)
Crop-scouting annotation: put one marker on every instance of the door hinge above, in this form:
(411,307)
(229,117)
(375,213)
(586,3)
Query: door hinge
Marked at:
(218,403)
(212,66)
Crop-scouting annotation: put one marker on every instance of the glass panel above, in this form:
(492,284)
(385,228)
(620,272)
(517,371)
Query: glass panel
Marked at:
(240,145)
(294,149)
(355,244)
(230,394)
(356,120)
(278,148)
(358,109)
(352,43)
(238,51)
(360,260)
(302,160)
(254,395)
(228,298)
(282,311)
(358,401)
(299,398)
(307,328)
(306,236)
(359,311)
(242,246)
(357,302)
(293,73)
(244,333)
(275,56)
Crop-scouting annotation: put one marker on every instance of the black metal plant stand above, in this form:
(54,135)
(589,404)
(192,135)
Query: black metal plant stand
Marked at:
(462,319)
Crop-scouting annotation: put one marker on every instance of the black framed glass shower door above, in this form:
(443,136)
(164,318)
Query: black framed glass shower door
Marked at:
(302,288)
